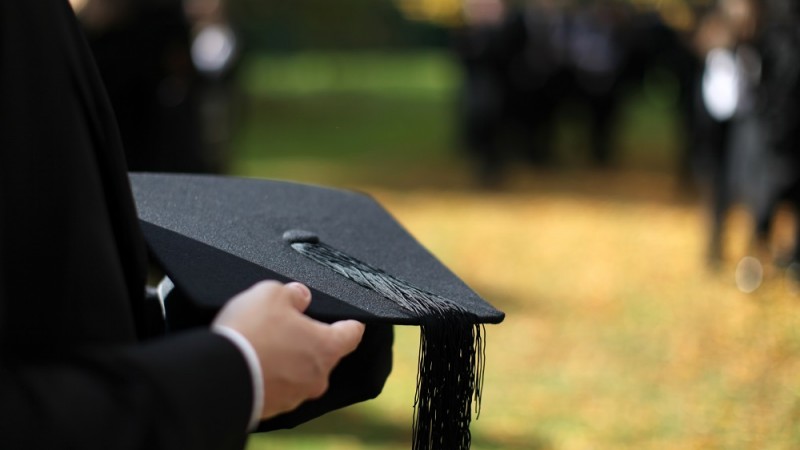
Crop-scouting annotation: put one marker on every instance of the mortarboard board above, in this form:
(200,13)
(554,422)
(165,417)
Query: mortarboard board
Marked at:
(215,236)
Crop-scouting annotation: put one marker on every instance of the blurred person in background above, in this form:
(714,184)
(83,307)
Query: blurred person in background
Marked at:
(598,55)
(482,46)
(215,53)
(166,65)
(536,75)
(748,120)
(523,62)
(778,112)
(715,107)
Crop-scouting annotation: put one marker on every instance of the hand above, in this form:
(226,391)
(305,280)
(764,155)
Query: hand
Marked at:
(297,353)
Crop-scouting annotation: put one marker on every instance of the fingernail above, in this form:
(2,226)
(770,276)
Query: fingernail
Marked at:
(300,288)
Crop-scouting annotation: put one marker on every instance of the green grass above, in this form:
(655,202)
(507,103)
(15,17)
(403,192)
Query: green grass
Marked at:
(347,127)
(361,108)
(386,74)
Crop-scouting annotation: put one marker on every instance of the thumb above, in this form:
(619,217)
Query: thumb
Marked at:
(347,334)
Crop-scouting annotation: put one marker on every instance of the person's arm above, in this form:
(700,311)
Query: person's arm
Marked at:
(192,390)
(71,373)
(186,392)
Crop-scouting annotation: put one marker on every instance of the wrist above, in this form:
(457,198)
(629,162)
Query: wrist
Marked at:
(253,363)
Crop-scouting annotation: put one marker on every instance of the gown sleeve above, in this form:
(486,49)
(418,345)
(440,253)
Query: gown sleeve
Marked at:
(74,372)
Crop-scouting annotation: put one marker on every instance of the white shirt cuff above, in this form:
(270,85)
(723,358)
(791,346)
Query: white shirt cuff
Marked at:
(254,364)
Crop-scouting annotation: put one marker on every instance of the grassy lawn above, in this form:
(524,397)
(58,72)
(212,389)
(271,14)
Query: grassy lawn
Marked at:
(348,108)
(617,336)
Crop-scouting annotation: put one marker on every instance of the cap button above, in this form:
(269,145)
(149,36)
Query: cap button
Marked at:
(302,236)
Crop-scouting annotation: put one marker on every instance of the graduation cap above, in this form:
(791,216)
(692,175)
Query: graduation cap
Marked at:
(215,236)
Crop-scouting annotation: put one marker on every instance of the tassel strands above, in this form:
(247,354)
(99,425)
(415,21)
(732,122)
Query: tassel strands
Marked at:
(449,378)
(451,353)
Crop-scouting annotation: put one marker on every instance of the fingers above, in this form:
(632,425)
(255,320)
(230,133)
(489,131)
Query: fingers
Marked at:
(296,353)
(347,335)
(299,295)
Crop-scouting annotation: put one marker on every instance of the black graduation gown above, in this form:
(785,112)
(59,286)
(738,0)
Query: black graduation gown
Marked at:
(73,373)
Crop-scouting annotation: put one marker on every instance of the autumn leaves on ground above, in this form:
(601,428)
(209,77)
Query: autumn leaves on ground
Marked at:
(617,335)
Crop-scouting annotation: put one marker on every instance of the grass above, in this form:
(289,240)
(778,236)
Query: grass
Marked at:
(617,335)
(340,107)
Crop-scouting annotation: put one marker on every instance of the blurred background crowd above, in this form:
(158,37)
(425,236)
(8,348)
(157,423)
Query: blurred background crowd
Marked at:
(735,71)
(170,69)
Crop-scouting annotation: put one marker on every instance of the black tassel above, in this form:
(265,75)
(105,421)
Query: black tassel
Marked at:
(451,351)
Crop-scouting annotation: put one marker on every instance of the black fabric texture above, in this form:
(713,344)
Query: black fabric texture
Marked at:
(360,376)
(73,371)
(213,276)
(248,218)
(64,194)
